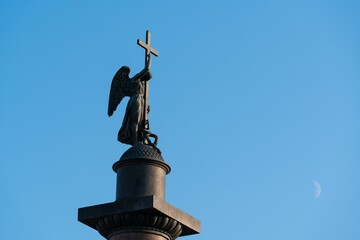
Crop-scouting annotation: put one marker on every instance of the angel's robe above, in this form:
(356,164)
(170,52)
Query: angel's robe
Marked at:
(134,89)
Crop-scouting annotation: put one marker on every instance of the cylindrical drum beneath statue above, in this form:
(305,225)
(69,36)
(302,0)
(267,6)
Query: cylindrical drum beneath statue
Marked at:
(141,171)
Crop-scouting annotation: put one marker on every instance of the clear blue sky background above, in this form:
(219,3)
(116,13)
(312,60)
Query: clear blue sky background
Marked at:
(252,101)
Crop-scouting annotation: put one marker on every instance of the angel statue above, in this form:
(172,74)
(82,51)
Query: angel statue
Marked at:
(135,126)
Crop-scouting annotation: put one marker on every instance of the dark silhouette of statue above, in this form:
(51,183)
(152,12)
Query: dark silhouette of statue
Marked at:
(122,85)
(135,128)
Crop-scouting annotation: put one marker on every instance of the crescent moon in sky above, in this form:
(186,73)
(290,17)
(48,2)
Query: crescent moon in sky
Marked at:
(317,189)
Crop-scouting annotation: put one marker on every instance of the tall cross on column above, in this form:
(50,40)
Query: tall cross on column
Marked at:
(148,51)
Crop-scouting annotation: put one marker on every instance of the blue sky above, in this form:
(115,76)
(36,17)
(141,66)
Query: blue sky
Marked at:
(252,101)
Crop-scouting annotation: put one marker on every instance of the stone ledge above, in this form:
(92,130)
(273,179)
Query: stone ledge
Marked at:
(149,204)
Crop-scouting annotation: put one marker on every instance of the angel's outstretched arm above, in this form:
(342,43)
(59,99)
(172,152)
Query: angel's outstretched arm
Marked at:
(140,75)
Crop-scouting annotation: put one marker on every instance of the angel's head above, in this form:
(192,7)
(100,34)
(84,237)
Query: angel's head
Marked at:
(124,71)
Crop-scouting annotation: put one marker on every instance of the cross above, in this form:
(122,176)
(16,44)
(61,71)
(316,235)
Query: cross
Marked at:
(148,51)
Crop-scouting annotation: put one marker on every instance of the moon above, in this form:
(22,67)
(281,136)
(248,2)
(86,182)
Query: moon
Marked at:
(317,189)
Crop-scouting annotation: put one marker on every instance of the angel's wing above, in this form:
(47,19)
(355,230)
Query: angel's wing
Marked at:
(116,94)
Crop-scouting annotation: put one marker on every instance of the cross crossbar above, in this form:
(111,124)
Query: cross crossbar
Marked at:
(148,49)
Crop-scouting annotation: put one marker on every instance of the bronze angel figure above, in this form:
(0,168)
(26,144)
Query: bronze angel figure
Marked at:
(133,130)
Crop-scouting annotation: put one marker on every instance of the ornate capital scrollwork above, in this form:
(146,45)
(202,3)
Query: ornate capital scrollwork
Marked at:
(109,224)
